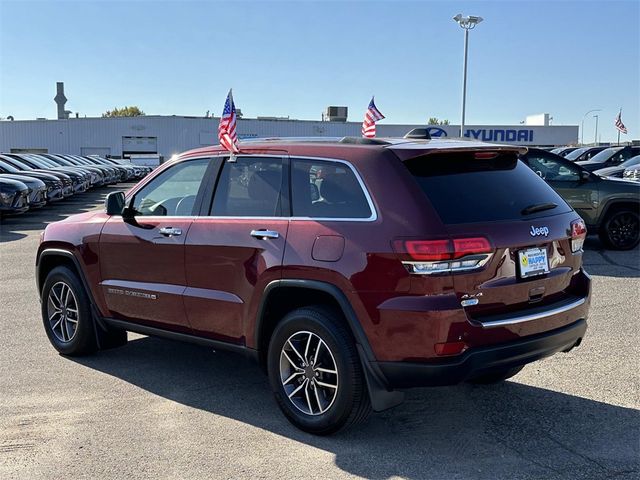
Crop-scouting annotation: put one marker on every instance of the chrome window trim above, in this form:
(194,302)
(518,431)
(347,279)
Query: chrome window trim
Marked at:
(372,218)
(374,213)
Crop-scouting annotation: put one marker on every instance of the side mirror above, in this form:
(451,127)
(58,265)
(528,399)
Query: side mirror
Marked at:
(114,203)
(585,176)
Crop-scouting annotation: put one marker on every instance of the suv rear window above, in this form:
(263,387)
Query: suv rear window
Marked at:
(465,189)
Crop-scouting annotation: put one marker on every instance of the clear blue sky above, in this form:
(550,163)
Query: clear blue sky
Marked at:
(295,58)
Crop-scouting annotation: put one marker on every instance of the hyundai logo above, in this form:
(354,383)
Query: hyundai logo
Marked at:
(436,132)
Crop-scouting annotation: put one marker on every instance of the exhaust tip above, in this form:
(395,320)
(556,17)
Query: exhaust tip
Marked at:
(577,344)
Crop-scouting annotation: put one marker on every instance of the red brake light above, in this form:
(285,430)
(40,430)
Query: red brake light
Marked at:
(485,155)
(578,228)
(578,234)
(470,246)
(428,249)
(438,250)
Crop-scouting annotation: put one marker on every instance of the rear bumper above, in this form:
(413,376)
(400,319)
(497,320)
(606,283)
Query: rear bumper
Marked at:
(481,360)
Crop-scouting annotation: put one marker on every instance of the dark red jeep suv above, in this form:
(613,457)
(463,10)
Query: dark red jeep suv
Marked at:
(350,269)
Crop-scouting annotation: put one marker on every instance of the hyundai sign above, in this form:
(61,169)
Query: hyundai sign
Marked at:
(519,135)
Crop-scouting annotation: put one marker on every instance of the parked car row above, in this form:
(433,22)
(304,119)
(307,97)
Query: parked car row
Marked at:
(29,181)
(605,161)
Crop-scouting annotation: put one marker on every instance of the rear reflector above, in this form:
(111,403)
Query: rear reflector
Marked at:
(578,234)
(450,348)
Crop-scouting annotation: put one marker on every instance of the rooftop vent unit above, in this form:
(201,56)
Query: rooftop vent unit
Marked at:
(336,114)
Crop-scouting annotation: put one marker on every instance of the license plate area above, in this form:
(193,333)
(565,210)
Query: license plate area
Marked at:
(533,262)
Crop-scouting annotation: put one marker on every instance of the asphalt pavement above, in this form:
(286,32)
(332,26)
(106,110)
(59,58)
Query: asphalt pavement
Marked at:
(161,409)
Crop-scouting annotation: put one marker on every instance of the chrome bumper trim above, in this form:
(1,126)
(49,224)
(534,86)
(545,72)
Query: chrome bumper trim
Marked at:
(534,316)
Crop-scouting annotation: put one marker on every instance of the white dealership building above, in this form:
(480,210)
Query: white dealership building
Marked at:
(168,135)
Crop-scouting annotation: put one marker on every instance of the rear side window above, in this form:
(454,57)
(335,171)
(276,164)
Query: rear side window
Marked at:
(325,189)
(464,189)
(249,187)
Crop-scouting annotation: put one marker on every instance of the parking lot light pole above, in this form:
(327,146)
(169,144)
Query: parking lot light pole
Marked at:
(467,23)
(582,125)
(595,137)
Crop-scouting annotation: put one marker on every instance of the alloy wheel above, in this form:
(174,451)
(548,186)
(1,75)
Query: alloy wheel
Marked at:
(62,312)
(308,373)
(623,229)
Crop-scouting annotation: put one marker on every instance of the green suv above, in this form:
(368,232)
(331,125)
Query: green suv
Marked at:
(609,206)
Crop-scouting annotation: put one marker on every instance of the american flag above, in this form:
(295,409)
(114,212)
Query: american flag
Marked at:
(619,125)
(370,118)
(227,128)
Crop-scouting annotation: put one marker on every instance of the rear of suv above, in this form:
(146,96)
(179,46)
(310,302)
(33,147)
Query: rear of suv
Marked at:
(349,269)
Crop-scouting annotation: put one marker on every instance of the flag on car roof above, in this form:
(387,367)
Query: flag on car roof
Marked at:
(619,125)
(370,118)
(227,128)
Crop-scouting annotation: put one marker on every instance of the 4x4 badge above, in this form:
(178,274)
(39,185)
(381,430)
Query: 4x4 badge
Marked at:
(537,231)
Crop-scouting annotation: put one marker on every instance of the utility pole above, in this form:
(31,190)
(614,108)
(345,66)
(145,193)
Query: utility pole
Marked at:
(466,23)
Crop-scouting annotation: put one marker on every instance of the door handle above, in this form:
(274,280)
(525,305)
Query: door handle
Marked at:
(170,231)
(264,234)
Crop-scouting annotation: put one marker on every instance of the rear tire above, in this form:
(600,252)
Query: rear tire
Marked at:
(66,313)
(496,376)
(306,346)
(621,230)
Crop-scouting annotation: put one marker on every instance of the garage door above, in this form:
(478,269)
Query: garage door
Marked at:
(139,145)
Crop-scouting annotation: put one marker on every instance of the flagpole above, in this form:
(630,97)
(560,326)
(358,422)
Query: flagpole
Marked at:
(619,116)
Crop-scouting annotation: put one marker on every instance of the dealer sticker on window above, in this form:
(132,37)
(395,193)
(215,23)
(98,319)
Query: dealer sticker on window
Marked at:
(533,261)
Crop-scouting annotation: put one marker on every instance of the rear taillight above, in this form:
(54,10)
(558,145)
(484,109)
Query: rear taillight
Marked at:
(578,234)
(443,255)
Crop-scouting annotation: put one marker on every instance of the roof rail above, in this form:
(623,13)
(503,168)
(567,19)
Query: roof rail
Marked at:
(364,141)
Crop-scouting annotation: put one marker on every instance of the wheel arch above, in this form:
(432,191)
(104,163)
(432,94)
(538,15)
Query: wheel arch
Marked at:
(50,258)
(307,292)
(615,204)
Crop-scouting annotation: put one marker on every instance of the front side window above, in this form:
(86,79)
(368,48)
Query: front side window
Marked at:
(249,187)
(325,189)
(173,192)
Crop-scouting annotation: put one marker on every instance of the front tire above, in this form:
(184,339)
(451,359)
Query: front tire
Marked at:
(621,230)
(66,313)
(315,372)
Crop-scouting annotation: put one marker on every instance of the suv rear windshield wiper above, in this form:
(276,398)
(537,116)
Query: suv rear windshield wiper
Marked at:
(539,207)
